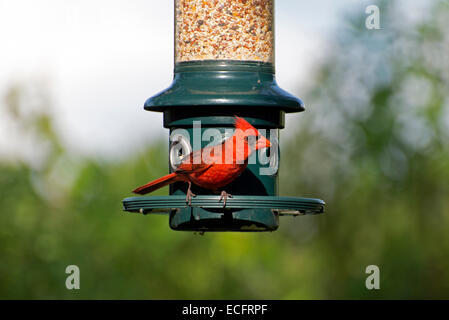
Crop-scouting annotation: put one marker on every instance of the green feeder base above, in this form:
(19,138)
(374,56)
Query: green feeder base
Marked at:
(242,213)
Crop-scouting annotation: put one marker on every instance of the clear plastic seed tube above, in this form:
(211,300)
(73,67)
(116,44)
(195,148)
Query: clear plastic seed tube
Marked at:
(224,30)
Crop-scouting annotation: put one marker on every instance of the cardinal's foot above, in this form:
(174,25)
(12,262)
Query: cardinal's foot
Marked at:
(224,196)
(189,197)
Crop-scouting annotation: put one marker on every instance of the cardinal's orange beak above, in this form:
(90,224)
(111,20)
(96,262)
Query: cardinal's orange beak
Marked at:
(262,142)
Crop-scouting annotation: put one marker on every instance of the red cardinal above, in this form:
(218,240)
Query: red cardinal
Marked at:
(214,167)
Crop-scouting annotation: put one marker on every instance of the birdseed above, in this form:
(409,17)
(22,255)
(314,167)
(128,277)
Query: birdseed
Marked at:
(224,30)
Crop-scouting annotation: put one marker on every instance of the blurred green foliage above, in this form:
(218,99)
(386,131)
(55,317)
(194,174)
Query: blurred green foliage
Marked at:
(374,144)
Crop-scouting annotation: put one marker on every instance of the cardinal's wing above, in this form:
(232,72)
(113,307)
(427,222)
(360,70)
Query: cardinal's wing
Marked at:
(193,162)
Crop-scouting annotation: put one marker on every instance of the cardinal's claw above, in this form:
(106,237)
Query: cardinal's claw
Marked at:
(224,196)
(189,195)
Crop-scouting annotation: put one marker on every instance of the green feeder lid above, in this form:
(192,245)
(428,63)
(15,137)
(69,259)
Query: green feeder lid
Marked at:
(225,83)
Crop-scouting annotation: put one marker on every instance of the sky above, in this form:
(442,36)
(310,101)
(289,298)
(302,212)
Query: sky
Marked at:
(101,59)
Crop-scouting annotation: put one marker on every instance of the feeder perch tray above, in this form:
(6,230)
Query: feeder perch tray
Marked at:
(282,206)
(207,208)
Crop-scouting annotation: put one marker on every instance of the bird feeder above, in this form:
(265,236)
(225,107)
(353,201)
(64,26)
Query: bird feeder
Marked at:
(224,66)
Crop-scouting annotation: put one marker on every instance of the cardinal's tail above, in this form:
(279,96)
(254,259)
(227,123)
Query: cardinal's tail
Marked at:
(158,183)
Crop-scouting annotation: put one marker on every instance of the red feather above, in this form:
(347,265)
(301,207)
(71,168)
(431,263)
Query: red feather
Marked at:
(157,184)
